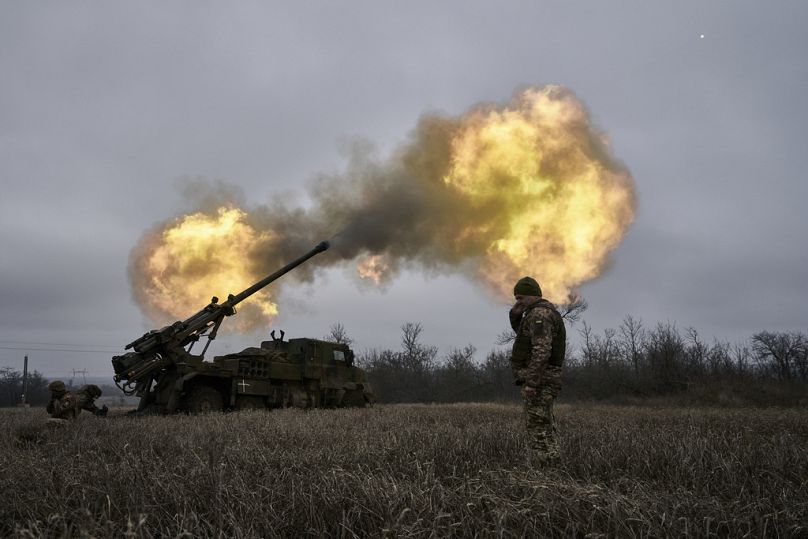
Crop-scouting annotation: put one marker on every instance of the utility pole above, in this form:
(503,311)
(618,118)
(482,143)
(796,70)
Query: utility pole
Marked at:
(24,382)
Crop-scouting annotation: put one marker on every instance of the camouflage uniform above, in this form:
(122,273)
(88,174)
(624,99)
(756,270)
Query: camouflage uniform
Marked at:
(86,400)
(62,406)
(66,405)
(537,358)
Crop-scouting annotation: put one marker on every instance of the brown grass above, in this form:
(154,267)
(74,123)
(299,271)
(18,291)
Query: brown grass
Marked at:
(407,470)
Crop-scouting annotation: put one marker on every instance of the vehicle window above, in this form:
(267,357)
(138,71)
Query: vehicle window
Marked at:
(339,355)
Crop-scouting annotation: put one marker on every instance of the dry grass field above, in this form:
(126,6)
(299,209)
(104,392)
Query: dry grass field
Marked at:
(407,471)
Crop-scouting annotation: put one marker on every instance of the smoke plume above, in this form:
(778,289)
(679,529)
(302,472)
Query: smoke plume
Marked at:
(499,192)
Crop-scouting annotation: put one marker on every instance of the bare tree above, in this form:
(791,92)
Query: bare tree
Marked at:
(696,351)
(416,356)
(608,352)
(740,358)
(802,359)
(11,387)
(506,337)
(665,351)
(459,377)
(496,370)
(574,308)
(461,359)
(632,334)
(719,358)
(589,348)
(781,353)
(338,334)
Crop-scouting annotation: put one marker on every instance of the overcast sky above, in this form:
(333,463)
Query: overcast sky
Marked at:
(104,105)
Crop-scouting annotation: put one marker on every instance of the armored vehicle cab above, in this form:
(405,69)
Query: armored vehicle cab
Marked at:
(304,373)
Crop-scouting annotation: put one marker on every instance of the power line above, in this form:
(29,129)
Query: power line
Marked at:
(82,372)
(61,350)
(67,374)
(3,341)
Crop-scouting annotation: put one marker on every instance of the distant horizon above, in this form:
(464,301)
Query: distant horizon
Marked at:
(479,356)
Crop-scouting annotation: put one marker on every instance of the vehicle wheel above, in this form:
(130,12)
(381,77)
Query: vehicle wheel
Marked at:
(202,400)
(353,398)
(250,403)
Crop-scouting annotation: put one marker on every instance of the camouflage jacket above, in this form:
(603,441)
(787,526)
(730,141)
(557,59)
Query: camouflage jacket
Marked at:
(70,405)
(64,407)
(86,402)
(539,347)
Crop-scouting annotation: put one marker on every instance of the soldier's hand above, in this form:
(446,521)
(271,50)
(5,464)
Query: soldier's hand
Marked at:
(515,316)
(529,392)
(103,411)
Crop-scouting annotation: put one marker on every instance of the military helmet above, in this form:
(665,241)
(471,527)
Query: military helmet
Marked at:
(57,386)
(91,390)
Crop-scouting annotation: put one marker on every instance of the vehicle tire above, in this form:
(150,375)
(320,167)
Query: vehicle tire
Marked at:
(202,399)
(353,398)
(250,403)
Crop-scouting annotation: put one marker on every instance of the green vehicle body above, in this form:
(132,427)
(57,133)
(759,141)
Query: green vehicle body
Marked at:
(302,373)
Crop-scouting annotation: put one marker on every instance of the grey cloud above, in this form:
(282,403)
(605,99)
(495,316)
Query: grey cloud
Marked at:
(104,106)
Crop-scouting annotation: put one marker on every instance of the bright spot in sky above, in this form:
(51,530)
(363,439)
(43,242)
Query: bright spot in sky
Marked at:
(701,36)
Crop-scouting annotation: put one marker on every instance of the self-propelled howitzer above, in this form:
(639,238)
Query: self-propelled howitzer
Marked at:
(167,377)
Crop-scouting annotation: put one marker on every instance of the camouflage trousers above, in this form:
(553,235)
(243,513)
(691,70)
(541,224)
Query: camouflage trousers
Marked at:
(541,429)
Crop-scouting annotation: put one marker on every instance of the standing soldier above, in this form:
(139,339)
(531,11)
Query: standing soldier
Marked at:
(536,360)
(66,405)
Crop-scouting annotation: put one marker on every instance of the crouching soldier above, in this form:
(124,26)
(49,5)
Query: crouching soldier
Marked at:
(86,400)
(66,405)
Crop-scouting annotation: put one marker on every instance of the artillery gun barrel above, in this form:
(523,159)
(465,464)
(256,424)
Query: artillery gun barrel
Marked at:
(157,349)
(180,332)
(241,296)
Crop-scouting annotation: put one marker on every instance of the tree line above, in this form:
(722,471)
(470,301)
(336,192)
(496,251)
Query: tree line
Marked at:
(11,388)
(629,363)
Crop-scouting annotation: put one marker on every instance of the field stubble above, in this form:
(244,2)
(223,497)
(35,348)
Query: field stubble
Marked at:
(407,470)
